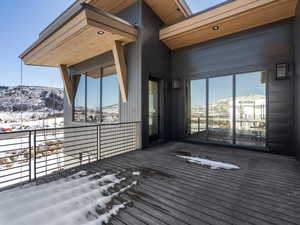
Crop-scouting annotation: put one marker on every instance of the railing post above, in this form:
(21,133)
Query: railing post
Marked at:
(29,155)
(100,156)
(34,153)
(138,140)
(198,124)
(80,158)
(98,142)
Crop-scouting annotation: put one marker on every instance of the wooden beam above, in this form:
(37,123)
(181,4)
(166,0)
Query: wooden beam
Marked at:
(184,8)
(118,52)
(67,82)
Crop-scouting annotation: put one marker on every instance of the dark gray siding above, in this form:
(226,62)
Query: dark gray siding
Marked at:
(297,80)
(131,111)
(155,64)
(253,50)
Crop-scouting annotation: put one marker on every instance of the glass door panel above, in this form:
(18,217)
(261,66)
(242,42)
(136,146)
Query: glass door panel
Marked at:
(93,112)
(251,109)
(198,109)
(79,98)
(220,113)
(153,110)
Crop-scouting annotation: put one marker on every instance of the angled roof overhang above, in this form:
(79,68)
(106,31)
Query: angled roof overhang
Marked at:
(169,11)
(233,17)
(80,33)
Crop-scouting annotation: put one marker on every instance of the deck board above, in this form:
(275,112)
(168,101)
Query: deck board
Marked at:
(170,191)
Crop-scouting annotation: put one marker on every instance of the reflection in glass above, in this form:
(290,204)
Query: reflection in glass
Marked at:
(251,109)
(93,99)
(220,113)
(110,99)
(153,109)
(198,108)
(79,100)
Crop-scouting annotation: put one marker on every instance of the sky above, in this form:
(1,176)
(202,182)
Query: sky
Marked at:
(21,22)
(199,5)
(222,87)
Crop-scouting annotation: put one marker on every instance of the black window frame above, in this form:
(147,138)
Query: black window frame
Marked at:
(85,97)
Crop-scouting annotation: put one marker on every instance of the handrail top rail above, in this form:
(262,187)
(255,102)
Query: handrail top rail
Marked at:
(69,127)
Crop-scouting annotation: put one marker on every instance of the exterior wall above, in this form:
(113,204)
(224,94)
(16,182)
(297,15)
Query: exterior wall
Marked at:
(147,57)
(297,80)
(253,50)
(155,64)
(130,111)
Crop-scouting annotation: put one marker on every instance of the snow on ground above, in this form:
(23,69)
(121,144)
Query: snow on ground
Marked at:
(136,173)
(210,163)
(14,162)
(33,124)
(75,200)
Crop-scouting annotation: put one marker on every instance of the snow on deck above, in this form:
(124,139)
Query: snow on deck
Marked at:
(75,200)
(210,163)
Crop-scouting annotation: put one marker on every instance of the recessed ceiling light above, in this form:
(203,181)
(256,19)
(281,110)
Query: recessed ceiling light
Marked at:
(216,28)
(100,32)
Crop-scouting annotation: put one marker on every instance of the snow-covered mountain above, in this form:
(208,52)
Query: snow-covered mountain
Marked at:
(30,98)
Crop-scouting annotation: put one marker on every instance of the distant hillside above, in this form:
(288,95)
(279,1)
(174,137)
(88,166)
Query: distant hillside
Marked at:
(31,98)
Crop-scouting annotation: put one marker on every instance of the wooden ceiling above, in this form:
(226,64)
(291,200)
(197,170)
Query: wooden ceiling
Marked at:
(168,10)
(233,17)
(78,40)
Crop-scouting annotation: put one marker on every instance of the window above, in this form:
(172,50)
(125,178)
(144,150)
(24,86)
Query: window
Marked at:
(79,100)
(93,112)
(236,109)
(110,99)
(250,109)
(198,108)
(220,109)
(96,99)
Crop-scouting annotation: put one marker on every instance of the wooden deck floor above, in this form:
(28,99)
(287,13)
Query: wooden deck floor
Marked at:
(265,191)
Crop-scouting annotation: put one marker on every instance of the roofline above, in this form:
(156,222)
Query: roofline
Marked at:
(186,10)
(64,18)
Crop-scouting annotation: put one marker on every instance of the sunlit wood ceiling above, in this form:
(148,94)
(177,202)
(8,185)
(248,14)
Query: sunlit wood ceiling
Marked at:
(168,10)
(86,35)
(233,17)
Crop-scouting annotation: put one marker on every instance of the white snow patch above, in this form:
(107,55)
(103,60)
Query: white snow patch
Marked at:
(136,173)
(69,201)
(210,163)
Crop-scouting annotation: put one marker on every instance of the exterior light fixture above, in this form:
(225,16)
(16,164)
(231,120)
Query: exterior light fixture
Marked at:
(281,71)
(100,32)
(216,28)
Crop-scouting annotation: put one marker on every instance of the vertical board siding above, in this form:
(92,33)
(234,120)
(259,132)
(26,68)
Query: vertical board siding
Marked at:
(297,80)
(253,50)
(131,111)
(155,64)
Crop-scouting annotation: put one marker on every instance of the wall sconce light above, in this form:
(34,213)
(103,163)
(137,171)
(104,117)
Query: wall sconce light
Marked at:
(281,71)
(216,28)
(176,84)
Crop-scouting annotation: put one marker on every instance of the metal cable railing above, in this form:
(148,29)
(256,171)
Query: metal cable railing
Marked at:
(27,155)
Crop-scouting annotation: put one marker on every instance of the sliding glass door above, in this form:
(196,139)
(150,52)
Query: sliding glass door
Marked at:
(198,108)
(250,108)
(229,109)
(220,111)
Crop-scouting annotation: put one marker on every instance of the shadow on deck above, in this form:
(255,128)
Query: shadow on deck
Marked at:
(266,190)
